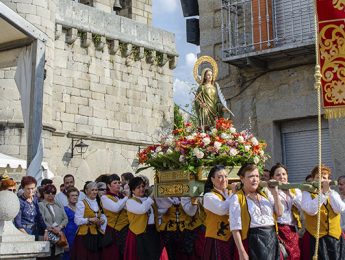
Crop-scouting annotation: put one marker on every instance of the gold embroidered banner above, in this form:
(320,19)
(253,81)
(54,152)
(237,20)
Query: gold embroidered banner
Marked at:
(331,21)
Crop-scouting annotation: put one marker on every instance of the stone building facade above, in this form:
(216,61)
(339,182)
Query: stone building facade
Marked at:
(108,82)
(270,86)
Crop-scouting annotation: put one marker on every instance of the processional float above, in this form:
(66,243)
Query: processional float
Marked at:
(182,168)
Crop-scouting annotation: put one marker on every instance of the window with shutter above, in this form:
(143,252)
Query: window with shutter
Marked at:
(300,147)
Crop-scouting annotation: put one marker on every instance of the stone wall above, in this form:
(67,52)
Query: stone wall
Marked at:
(109,82)
(262,98)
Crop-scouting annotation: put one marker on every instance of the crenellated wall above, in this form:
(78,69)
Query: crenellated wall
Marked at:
(108,81)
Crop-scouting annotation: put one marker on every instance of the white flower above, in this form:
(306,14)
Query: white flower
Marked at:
(261,152)
(189,137)
(169,151)
(233,151)
(182,158)
(247,148)
(254,141)
(225,136)
(158,149)
(206,140)
(160,153)
(199,154)
(256,160)
(240,139)
(217,145)
(169,141)
(214,131)
(232,130)
(203,134)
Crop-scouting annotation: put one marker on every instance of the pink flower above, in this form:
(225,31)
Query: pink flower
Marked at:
(217,145)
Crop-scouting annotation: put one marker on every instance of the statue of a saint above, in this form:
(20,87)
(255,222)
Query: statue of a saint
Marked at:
(209,100)
(207,105)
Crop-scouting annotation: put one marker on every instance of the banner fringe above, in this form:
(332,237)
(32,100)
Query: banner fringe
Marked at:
(332,113)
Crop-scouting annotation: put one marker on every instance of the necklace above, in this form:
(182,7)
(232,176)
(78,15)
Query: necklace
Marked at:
(257,202)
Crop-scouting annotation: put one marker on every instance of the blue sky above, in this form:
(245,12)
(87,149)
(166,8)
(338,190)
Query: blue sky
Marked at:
(167,15)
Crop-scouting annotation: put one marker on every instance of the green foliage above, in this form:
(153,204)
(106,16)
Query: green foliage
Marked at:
(96,38)
(178,118)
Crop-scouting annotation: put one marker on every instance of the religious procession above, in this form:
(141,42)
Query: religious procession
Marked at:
(171,130)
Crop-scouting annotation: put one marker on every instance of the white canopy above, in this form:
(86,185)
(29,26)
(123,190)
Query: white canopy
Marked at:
(11,165)
(23,45)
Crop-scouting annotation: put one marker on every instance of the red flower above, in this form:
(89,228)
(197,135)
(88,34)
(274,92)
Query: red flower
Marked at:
(223,124)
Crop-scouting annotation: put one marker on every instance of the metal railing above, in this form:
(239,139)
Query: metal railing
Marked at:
(252,26)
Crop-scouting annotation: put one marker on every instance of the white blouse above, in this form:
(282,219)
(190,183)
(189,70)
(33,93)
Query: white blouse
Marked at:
(112,206)
(288,201)
(165,203)
(310,206)
(343,220)
(214,204)
(142,208)
(80,209)
(261,213)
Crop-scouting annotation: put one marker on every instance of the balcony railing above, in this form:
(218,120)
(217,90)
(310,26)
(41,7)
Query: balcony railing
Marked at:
(266,29)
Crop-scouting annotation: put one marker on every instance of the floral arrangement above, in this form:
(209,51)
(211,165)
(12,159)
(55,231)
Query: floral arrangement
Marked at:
(188,148)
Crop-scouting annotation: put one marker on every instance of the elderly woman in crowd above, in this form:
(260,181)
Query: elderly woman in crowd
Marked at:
(114,203)
(29,219)
(88,216)
(54,217)
(71,228)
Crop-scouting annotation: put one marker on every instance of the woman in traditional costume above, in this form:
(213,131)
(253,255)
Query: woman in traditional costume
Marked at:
(289,222)
(331,242)
(341,187)
(218,244)
(114,203)
(177,217)
(92,223)
(252,217)
(143,241)
(194,234)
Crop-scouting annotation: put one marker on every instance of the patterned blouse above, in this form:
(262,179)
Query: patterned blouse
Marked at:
(29,217)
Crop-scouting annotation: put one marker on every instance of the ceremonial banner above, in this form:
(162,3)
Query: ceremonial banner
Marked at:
(331,21)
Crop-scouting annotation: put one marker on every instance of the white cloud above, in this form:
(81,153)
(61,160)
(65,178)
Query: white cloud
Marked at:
(190,59)
(166,6)
(183,93)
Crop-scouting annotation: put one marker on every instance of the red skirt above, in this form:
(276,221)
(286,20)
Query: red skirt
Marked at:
(80,252)
(288,235)
(216,249)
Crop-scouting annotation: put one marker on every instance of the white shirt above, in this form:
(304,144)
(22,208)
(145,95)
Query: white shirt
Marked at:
(288,201)
(80,210)
(142,208)
(343,219)
(165,203)
(310,206)
(214,204)
(261,214)
(61,198)
(112,206)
